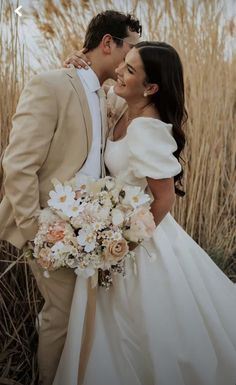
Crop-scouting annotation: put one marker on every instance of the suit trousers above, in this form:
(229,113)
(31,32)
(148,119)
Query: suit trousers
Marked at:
(57,291)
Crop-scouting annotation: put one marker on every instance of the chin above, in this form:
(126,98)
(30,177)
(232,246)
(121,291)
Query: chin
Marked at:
(118,91)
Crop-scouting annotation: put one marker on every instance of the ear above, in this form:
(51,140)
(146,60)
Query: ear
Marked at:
(106,44)
(151,89)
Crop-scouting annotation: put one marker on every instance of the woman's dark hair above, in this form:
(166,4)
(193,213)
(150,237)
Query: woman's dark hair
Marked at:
(163,66)
(115,23)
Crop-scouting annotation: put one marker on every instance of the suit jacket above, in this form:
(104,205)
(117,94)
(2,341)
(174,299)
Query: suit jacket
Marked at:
(50,138)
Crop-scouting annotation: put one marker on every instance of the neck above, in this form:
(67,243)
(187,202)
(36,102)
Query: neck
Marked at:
(98,65)
(142,108)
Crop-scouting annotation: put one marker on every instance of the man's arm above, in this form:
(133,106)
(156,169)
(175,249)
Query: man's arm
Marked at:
(33,128)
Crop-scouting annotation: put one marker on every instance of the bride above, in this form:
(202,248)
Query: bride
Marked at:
(173,321)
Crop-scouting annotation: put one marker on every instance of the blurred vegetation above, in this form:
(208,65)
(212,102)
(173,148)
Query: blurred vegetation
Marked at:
(204,39)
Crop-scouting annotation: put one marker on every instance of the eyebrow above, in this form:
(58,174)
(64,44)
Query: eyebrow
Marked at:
(128,65)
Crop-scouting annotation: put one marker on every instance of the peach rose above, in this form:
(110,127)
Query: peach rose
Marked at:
(116,250)
(56,232)
(142,225)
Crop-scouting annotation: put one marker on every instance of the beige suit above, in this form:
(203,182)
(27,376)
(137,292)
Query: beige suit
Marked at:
(50,138)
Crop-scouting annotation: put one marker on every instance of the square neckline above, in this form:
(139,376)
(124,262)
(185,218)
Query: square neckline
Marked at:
(138,117)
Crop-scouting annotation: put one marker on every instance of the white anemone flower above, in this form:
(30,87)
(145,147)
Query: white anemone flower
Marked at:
(82,180)
(75,209)
(117,217)
(96,226)
(60,249)
(87,238)
(57,247)
(117,236)
(134,196)
(62,197)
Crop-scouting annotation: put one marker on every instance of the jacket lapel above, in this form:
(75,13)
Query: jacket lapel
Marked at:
(78,87)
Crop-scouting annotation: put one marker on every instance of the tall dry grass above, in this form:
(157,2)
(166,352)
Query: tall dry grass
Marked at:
(12,68)
(19,297)
(208,210)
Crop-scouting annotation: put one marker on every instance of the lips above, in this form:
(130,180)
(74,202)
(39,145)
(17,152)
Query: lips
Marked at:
(120,83)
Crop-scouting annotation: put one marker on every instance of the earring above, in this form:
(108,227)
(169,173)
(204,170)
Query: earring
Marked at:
(145,94)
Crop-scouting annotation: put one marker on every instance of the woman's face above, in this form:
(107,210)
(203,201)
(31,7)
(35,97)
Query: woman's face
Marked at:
(131,77)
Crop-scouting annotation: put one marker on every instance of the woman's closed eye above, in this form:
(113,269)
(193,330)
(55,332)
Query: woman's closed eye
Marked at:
(130,69)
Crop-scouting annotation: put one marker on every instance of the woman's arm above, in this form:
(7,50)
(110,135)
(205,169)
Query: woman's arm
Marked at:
(163,192)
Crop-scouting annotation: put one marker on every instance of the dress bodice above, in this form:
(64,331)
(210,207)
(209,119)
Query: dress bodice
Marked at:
(146,151)
(117,156)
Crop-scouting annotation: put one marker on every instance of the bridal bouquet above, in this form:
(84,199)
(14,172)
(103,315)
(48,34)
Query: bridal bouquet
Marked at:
(89,228)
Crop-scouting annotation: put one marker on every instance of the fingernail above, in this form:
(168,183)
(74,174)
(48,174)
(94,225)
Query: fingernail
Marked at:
(89,63)
(79,67)
(87,67)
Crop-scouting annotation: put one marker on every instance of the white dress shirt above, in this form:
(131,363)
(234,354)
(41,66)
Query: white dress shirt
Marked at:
(92,165)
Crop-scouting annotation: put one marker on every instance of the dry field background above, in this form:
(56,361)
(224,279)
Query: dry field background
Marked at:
(204,38)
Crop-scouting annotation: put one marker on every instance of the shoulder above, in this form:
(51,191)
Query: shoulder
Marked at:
(51,84)
(150,123)
(151,147)
(52,77)
(149,131)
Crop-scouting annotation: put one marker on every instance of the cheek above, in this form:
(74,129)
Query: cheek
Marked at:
(130,82)
(133,85)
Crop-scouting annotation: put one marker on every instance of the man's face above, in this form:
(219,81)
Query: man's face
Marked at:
(118,53)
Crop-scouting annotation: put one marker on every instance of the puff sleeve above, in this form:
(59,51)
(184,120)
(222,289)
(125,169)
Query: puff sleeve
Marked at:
(151,147)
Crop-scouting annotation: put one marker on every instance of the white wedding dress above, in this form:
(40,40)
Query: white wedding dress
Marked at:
(174,322)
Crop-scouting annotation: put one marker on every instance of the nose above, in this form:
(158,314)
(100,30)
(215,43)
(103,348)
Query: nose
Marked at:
(119,69)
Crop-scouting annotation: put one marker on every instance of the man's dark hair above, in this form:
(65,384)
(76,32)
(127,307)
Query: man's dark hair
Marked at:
(114,23)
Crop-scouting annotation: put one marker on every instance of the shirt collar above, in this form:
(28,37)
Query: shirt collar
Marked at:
(89,78)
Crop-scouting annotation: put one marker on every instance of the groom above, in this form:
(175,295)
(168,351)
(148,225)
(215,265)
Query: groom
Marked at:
(59,130)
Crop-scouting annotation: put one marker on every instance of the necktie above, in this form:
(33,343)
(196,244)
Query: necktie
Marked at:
(103,107)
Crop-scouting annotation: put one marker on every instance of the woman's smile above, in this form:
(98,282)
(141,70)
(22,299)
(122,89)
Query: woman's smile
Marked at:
(120,82)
